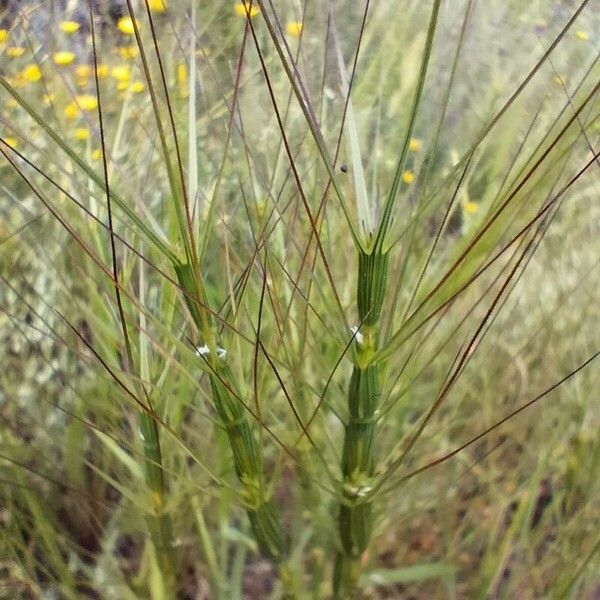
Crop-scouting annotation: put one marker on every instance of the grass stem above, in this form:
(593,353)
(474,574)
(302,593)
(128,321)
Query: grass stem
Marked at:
(355,519)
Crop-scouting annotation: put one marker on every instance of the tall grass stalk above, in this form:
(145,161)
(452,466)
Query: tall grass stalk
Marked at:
(355,519)
(158,519)
(293,320)
(364,391)
(247,456)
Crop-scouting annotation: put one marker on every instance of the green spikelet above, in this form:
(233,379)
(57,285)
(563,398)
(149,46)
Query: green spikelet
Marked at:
(247,458)
(355,518)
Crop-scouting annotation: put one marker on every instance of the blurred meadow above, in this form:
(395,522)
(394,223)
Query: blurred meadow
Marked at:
(299,299)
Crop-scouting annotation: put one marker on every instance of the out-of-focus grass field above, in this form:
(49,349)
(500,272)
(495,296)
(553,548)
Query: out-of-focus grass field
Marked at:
(492,295)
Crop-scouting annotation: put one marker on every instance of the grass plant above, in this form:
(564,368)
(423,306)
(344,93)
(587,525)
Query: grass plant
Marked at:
(299,300)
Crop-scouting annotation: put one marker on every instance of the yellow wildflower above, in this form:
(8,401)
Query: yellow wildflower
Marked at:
(87,102)
(3,36)
(182,79)
(11,141)
(415,144)
(182,74)
(471,207)
(71,111)
(408,177)
(157,6)
(96,154)
(128,51)
(137,87)
(122,86)
(32,73)
(582,35)
(69,26)
(15,51)
(294,28)
(121,73)
(103,71)
(243,9)
(126,25)
(63,57)
(48,99)
(82,133)
(83,71)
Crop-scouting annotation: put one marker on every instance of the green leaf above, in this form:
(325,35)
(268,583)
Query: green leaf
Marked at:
(419,572)
(134,468)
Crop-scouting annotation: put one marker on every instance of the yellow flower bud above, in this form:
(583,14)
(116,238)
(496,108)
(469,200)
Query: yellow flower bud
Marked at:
(82,134)
(415,144)
(87,102)
(243,9)
(69,26)
(121,73)
(294,28)
(408,177)
(15,51)
(158,6)
(63,57)
(126,25)
(32,73)
(137,87)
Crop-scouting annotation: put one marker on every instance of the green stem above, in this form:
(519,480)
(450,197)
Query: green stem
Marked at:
(345,577)
(218,583)
(159,521)
(355,518)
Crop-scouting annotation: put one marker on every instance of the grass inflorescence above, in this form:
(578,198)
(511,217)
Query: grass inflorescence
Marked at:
(299,299)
